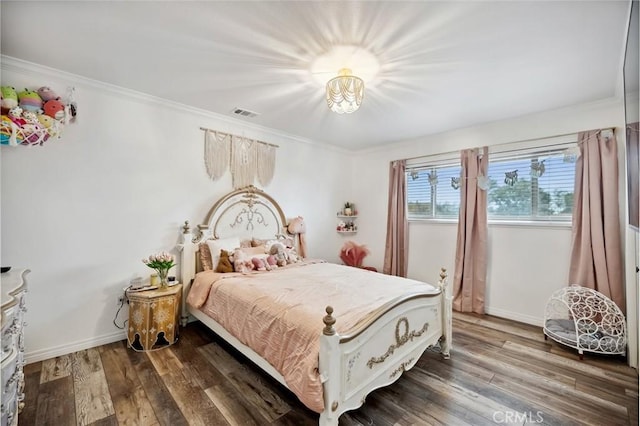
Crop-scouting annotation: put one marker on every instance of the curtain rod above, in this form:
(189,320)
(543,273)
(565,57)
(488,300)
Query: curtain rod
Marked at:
(230,134)
(512,142)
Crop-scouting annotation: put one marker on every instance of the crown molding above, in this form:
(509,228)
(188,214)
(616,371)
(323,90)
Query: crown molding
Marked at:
(610,102)
(9,63)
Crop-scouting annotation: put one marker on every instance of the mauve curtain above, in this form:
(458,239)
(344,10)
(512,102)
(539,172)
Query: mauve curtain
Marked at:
(397,245)
(470,277)
(596,254)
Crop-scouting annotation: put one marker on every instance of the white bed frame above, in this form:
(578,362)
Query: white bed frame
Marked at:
(353,365)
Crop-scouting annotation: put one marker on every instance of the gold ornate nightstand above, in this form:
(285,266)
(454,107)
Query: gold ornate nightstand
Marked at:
(153,318)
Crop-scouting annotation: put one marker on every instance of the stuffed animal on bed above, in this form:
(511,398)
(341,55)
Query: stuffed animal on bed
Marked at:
(292,256)
(224,264)
(272,262)
(297,227)
(259,264)
(279,252)
(242,262)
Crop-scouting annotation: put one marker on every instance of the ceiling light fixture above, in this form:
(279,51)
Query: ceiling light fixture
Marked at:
(345,92)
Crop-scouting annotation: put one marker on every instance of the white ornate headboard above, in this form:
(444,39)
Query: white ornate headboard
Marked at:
(246,213)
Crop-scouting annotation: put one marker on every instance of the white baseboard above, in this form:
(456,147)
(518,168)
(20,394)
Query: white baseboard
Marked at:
(68,348)
(516,316)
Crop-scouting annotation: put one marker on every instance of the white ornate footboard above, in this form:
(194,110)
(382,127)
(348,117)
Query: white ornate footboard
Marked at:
(351,366)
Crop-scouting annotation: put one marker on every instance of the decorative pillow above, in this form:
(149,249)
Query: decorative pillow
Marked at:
(251,252)
(257,242)
(205,257)
(241,262)
(228,244)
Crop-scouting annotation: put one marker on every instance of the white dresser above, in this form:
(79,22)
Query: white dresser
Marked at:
(13,287)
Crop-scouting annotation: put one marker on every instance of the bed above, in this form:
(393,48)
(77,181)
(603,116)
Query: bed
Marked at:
(329,333)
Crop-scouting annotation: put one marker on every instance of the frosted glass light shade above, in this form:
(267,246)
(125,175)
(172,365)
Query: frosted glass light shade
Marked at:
(345,92)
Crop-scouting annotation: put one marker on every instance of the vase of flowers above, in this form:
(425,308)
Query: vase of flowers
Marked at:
(161,262)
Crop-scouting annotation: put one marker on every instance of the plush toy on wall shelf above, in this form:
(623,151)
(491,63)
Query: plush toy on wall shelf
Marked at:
(54,108)
(9,99)
(31,117)
(29,100)
(47,94)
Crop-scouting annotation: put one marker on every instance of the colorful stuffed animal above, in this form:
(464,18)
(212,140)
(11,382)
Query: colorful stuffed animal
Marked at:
(224,264)
(297,227)
(15,115)
(241,262)
(46,94)
(45,121)
(29,100)
(54,108)
(259,264)
(9,98)
(32,129)
(7,135)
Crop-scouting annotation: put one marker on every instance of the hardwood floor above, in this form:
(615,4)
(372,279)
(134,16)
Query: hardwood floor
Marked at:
(500,372)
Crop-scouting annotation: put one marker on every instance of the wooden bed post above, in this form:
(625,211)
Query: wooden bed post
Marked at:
(329,366)
(447,314)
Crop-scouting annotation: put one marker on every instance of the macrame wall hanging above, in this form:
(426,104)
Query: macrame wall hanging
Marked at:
(247,158)
(217,147)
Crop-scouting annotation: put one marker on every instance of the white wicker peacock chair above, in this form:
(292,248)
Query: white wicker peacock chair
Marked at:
(586,320)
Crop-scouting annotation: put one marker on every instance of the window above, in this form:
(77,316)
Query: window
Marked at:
(430,192)
(534,187)
(525,185)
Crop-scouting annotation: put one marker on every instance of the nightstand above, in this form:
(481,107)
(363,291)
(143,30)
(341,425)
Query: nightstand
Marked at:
(153,318)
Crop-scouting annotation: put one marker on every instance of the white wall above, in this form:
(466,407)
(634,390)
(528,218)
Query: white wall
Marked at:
(526,263)
(82,211)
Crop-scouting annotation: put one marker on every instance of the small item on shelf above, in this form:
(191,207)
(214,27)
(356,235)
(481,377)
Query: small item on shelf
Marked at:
(349,209)
(348,215)
(347,227)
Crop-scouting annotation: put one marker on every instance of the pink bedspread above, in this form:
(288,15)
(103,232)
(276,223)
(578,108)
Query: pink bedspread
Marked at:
(279,313)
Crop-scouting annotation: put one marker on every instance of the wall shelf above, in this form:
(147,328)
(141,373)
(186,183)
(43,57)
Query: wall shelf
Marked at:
(347,223)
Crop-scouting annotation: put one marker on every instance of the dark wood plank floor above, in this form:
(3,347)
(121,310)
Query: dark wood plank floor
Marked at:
(500,372)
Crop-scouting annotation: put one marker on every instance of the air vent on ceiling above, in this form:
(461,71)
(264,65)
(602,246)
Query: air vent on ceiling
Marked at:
(245,112)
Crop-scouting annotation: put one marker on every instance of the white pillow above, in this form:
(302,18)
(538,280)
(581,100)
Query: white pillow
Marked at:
(228,244)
